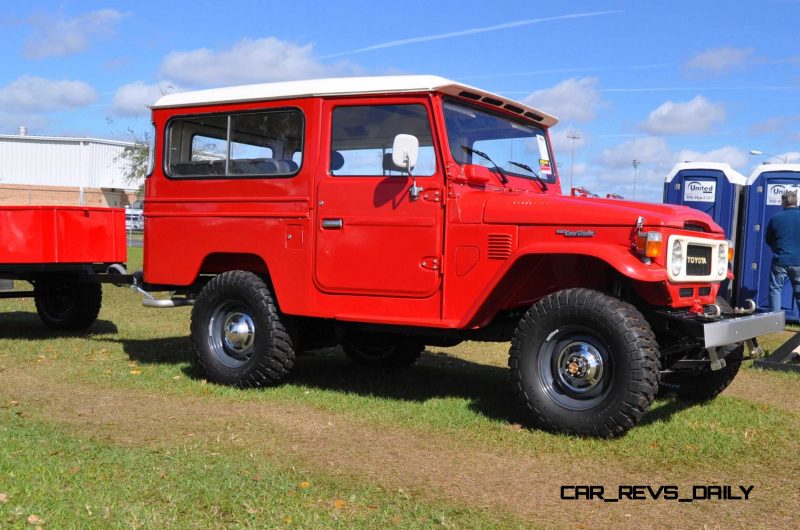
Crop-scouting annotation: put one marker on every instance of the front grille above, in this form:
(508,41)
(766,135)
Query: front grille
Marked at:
(705,291)
(698,260)
(686,292)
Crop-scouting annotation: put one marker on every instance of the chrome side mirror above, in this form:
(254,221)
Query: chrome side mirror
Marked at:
(405,153)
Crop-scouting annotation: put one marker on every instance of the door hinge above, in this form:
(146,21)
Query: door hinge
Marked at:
(431,263)
(432,196)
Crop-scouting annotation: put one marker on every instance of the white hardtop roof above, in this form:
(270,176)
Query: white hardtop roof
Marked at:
(733,176)
(337,86)
(765,168)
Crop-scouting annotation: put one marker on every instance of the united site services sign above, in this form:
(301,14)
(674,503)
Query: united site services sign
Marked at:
(774,192)
(700,191)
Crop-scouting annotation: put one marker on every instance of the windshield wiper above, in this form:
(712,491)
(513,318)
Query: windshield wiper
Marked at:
(526,167)
(503,177)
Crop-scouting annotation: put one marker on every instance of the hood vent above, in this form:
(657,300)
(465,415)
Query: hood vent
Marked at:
(697,226)
(500,246)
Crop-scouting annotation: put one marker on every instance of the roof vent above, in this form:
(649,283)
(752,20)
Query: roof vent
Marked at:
(22,131)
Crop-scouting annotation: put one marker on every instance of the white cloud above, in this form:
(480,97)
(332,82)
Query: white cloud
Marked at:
(134,98)
(720,60)
(648,149)
(571,99)
(563,145)
(38,94)
(57,36)
(737,158)
(695,116)
(613,172)
(249,61)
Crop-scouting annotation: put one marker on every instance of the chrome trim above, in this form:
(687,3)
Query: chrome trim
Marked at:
(162,304)
(738,329)
(332,223)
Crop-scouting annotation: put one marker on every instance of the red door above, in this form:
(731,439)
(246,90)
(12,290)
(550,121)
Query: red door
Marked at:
(372,237)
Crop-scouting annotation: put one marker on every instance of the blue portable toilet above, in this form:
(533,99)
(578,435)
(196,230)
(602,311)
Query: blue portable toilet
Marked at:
(713,188)
(763,200)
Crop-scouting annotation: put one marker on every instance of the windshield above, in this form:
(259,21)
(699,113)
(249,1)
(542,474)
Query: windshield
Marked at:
(510,144)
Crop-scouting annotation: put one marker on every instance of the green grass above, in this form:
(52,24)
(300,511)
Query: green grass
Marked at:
(460,393)
(70,482)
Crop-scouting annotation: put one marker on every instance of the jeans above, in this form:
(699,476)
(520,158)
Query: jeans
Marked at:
(777,277)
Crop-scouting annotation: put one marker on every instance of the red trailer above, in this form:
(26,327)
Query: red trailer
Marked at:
(65,253)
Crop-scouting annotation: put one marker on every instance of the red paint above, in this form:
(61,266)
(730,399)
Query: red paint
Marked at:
(61,235)
(468,248)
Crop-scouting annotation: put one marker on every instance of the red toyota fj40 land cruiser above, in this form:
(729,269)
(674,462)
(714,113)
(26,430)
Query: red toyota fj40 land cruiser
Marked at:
(389,213)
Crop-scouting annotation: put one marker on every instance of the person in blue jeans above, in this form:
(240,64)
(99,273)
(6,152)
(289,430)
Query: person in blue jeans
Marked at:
(783,237)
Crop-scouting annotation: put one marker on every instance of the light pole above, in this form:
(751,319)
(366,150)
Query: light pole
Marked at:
(572,135)
(756,152)
(636,164)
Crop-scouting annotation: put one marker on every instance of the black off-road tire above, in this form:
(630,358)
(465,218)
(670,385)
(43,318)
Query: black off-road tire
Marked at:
(707,383)
(67,305)
(576,329)
(382,350)
(238,334)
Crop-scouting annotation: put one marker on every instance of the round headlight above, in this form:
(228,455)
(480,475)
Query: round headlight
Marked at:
(722,260)
(676,260)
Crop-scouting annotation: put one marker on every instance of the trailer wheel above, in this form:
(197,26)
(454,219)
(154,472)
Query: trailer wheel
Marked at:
(238,334)
(381,350)
(706,384)
(584,363)
(68,305)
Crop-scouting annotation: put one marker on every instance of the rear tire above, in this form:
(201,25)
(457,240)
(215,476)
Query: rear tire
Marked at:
(67,305)
(584,363)
(382,350)
(238,334)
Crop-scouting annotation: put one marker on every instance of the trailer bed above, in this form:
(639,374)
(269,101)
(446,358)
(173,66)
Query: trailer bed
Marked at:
(38,237)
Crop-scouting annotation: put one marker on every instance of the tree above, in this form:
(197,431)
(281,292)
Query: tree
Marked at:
(135,158)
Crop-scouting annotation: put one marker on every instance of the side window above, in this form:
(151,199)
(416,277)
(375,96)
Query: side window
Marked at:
(362,137)
(234,145)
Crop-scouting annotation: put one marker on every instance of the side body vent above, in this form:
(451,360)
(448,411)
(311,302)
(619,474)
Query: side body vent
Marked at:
(500,246)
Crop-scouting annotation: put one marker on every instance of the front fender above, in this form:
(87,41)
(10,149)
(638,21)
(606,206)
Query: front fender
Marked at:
(504,285)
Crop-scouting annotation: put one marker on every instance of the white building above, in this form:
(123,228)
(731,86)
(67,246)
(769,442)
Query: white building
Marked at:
(61,170)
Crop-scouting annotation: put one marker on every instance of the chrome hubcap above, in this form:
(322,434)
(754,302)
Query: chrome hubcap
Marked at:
(239,332)
(579,367)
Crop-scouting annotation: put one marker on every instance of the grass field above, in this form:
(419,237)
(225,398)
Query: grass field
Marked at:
(115,429)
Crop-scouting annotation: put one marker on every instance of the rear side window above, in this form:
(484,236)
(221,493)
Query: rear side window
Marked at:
(236,145)
(362,137)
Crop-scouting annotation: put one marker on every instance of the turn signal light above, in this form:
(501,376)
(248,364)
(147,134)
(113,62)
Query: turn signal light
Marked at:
(649,244)
(730,251)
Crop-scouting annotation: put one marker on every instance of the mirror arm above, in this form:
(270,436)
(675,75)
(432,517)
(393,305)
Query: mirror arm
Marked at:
(414,190)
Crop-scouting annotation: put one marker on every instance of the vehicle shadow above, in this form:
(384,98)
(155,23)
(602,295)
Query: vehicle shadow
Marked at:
(437,375)
(23,325)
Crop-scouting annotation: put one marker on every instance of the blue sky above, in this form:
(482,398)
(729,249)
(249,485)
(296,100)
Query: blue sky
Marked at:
(660,82)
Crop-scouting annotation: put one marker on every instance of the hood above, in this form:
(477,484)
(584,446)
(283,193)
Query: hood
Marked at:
(527,208)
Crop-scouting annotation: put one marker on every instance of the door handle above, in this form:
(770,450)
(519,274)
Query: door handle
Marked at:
(332,223)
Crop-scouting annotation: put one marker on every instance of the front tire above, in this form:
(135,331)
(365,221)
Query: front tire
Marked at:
(67,305)
(238,334)
(584,363)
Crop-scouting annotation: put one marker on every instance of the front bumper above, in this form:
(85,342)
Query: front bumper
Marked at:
(708,332)
(740,328)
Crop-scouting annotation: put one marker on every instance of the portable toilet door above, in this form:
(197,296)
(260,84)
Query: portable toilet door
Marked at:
(763,200)
(715,189)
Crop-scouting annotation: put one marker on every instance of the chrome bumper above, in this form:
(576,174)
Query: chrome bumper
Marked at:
(739,329)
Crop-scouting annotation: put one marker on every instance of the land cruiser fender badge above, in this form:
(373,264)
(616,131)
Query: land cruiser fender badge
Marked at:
(575,233)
